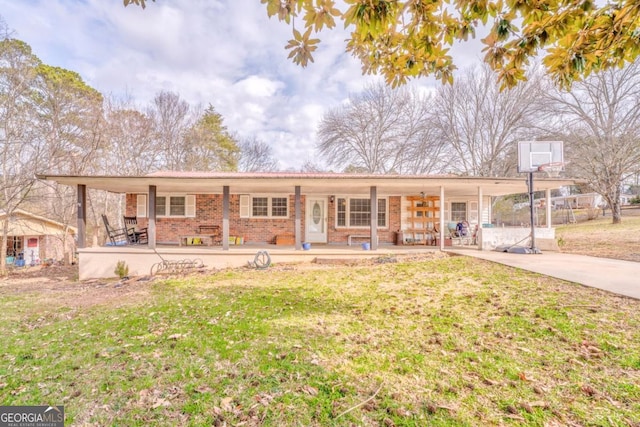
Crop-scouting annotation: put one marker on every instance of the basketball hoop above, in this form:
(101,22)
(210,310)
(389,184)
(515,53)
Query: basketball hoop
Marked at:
(552,169)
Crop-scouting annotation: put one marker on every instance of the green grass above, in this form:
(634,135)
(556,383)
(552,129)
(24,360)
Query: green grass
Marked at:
(444,342)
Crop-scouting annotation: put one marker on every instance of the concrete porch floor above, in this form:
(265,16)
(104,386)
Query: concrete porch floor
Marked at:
(100,262)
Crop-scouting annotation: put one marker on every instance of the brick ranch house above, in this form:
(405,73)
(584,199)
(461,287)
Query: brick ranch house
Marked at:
(326,210)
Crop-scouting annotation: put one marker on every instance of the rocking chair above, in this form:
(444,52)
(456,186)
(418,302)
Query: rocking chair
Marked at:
(136,235)
(117,236)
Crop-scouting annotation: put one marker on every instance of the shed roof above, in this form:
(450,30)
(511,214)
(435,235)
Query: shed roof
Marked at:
(23,223)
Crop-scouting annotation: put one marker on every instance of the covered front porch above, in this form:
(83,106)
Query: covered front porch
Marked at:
(324,210)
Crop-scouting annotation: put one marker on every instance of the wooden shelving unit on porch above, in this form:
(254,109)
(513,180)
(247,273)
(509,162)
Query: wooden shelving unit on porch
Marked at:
(424,216)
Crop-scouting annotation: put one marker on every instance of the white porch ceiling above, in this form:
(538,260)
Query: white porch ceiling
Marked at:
(314,184)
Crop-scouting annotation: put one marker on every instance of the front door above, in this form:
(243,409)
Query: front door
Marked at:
(316,220)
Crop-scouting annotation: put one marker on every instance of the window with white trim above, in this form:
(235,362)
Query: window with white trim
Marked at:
(170,205)
(356,212)
(264,206)
(458,211)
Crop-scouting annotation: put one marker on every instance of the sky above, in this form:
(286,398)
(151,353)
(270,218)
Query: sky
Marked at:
(226,53)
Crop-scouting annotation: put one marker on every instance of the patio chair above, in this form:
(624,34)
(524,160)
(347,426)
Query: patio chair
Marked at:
(456,234)
(117,236)
(136,235)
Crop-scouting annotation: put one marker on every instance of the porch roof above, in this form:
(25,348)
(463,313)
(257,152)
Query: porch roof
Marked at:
(310,183)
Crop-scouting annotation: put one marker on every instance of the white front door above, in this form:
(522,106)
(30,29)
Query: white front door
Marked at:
(316,220)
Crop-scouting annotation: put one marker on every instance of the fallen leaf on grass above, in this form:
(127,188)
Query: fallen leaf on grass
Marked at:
(160,402)
(588,390)
(226,405)
(576,362)
(487,381)
(264,399)
(19,390)
(203,389)
(175,336)
(152,398)
(531,406)
(512,409)
(539,390)
(312,391)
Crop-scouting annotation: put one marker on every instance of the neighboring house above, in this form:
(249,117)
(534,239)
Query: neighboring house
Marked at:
(586,201)
(34,238)
(318,208)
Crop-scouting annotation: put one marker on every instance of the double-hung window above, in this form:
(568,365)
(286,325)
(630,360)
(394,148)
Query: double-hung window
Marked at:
(458,211)
(171,205)
(356,212)
(168,205)
(264,206)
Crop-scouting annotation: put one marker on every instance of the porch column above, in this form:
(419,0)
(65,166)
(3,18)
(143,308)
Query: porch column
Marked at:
(548,206)
(297,231)
(225,218)
(374,218)
(480,212)
(151,227)
(82,216)
(441,217)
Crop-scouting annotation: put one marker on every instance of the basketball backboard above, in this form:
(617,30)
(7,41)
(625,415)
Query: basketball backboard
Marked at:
(533,154)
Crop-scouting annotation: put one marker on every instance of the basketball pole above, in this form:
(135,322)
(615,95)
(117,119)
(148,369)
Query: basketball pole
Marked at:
(534,250)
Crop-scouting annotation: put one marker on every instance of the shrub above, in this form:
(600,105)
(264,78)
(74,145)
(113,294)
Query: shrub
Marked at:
(592,213)
(122,269)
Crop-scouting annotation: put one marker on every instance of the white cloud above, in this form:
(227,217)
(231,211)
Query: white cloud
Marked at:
(225,53)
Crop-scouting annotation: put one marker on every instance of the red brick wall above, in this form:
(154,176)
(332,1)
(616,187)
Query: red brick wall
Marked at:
(209,212)
(255,230)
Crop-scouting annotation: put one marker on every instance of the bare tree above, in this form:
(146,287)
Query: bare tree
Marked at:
(21,144)
(600,118)
(482,124)
(191,138)
(172,119)
(381,130)
(256,156)
(69,116)
(130,140)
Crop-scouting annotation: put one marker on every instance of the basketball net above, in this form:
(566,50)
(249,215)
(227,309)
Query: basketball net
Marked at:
(552,170)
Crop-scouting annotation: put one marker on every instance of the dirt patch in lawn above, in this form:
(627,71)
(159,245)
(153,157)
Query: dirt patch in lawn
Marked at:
(58,286)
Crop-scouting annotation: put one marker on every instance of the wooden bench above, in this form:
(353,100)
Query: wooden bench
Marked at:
(360,236)
(211,230)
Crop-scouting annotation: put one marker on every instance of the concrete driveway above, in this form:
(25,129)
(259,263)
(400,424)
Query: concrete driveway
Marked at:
(617,276)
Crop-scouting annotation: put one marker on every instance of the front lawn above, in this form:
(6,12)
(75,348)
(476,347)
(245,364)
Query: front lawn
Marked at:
(601,238)
(438,342)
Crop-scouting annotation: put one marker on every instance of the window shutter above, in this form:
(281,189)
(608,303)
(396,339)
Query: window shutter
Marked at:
(141,206)
(473,212)
(245,206)
(190,206)
(447,211)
